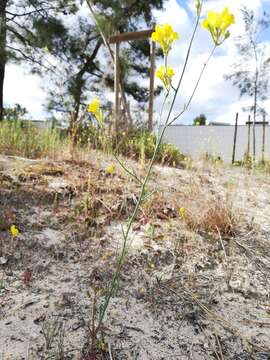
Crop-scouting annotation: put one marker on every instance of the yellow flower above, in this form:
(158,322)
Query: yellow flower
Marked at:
(218,24)
(110,169)
(102,346)
(165,74)
(14,231)
(165,36)
(94,108)
(182,212)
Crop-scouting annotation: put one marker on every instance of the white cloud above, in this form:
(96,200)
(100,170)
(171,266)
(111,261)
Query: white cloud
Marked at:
(22,88)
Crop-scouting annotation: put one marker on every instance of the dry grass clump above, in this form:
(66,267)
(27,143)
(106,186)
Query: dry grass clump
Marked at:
(212,216)
(209,210)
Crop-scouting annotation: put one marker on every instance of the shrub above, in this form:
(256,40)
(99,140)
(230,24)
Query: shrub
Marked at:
(169,154)
(138,144)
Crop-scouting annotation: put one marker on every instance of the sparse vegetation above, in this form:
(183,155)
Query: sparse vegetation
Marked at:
(24,139)
(113,244)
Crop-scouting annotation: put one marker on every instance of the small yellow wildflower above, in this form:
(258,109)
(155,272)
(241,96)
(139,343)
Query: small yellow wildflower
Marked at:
(218,24)
(111,169)
(94,108)
(102,346)
(182,212)
(14,231)
(165,36)
(165,74)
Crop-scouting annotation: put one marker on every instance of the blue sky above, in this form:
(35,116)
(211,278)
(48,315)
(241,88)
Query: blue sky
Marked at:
(216,98)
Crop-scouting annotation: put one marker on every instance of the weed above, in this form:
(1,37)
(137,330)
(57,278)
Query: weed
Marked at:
(205,213)
(165,36)
(23,139)
(51,330)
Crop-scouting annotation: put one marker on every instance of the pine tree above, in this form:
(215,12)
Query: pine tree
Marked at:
(24,27)
(85,63)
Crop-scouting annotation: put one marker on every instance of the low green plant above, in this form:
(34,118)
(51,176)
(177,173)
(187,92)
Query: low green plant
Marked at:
(170,155)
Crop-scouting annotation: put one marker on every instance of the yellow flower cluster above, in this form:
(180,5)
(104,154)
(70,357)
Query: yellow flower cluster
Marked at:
(14,232)
(165,74)
(94,108)
(218,24)
(165,36)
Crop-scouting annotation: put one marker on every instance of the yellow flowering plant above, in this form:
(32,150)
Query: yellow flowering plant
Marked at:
(218,23)
(94,108)
(165,36)
(165,74)
(14,231)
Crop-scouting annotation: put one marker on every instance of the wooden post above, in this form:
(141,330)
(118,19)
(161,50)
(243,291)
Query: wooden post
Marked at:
(254,140)
(152,83)
(130,36)
(263,140)
(248,147)
(234,139)
(116,86)
(129,117)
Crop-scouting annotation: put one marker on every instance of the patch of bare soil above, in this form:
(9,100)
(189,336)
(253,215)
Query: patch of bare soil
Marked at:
(195,285)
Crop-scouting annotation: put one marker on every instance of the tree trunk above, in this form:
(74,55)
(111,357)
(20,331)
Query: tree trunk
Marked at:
(3,38)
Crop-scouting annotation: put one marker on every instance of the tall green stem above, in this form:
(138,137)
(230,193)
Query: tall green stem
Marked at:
(144,183)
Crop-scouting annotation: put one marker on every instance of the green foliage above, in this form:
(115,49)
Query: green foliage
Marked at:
(24,139)
(81,70)
(14,113)
(28,30)
(137,144)
(200,120)
(170,155)
(248,163)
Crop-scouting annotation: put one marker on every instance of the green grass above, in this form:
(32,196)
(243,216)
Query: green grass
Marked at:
(23,139)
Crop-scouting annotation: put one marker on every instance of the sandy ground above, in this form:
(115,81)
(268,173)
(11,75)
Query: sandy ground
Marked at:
(186,291)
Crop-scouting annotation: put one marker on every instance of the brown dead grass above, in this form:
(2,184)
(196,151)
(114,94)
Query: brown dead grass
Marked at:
(212,216)
(208,210)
